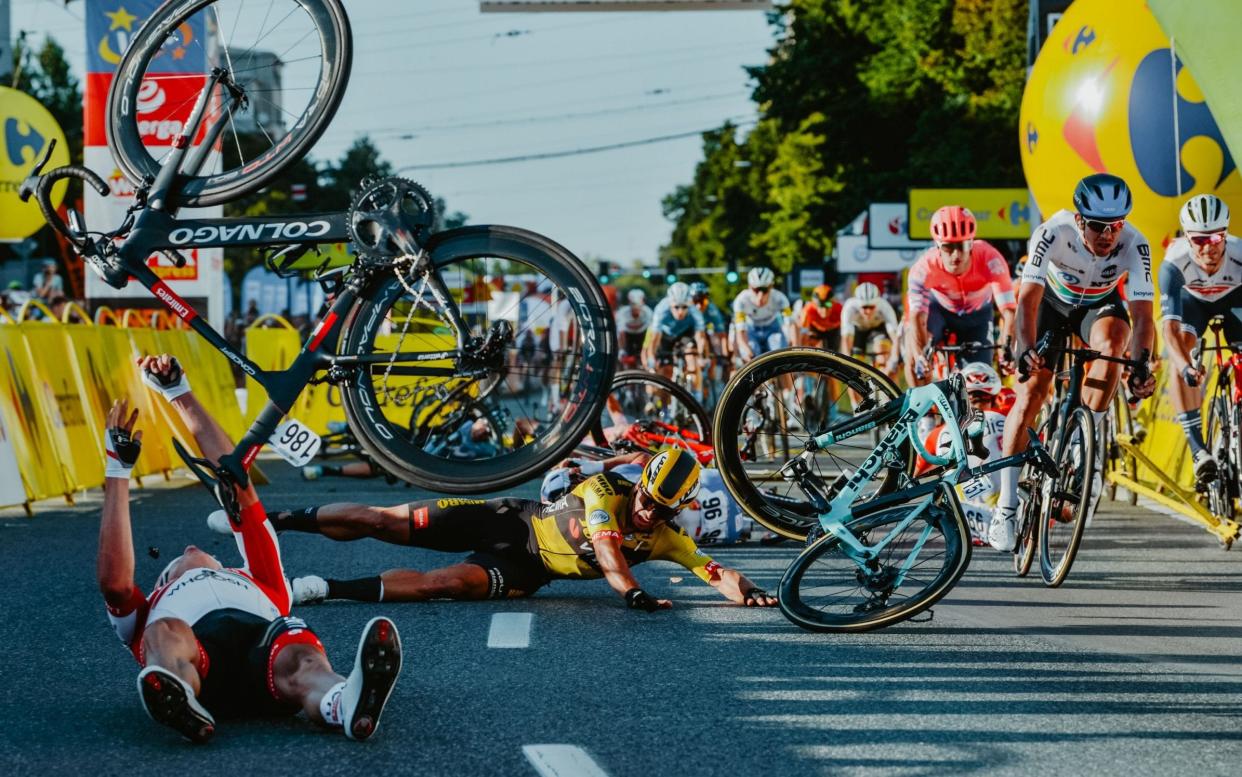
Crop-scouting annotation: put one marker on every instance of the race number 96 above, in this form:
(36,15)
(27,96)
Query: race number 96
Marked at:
(294,442)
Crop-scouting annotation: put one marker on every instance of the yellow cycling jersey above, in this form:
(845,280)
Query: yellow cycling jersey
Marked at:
(600,506)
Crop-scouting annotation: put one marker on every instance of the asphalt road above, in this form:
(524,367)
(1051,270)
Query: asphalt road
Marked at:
(1130,669)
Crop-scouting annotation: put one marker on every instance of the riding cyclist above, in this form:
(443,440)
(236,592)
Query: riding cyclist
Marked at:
(760,314)
(1199,280)
(602,528)
(819,321)
(676,327)
(1070,286)
(952,289)
(867,320)
(717,326)
(633,320)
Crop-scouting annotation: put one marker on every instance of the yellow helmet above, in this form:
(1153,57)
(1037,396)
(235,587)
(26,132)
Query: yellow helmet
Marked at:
(672,477)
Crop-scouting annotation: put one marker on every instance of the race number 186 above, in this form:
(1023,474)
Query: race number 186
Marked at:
(295,443)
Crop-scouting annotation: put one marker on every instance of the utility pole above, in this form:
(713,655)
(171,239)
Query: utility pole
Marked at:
(6,42)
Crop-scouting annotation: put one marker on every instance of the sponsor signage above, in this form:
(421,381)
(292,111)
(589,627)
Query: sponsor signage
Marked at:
(1001,213)
(26,128)
(855,255)
(888,226)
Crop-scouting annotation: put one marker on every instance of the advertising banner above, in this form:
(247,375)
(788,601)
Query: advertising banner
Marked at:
(855,255)
(888,226)
(165,99)
(27,128)
(1001,213)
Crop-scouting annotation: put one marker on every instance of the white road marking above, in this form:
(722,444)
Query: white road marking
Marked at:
(562,761)
(510,630)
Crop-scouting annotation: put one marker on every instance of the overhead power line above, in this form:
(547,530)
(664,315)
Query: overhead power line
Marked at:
(564,153)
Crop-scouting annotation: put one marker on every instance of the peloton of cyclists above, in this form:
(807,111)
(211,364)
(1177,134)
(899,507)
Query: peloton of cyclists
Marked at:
(1199,280)
(1070,285)
(952,289)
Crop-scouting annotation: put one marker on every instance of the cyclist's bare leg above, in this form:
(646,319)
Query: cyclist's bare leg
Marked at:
(460,581)
(1030,399)
(170,643)
(1110,336)
(303,674)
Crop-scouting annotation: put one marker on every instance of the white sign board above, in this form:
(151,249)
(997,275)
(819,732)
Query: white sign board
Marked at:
(855,255)
(888,226)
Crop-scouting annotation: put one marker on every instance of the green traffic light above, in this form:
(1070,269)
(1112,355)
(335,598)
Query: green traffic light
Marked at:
(731,276)
(670,279)
(647,274)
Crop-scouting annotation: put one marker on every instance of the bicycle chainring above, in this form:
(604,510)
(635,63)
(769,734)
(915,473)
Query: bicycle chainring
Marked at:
(391,217)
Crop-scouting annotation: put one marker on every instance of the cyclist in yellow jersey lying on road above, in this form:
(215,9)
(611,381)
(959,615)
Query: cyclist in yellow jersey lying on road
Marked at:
(602,528)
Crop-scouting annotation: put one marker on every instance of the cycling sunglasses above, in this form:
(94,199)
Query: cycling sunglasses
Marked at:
(962,246)
(762,289)
(658,511)
(680,307)
(1100,227)
(1209,239)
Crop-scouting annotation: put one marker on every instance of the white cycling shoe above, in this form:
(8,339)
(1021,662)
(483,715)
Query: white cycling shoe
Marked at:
(1003,532)
(218,522)
(311,589)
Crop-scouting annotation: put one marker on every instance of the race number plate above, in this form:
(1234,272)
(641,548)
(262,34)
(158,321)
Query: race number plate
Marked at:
(295,443)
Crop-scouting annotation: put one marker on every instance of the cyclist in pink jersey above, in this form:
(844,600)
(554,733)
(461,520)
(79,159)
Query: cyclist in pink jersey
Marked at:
(952,288)
(216,641)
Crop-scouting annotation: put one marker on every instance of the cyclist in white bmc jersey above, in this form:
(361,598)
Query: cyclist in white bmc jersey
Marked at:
(1199,280)
(1070,286)
(760,315)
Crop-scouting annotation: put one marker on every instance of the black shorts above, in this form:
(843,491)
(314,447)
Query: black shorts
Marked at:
(496,531)
(1196,313)
(830,340)
(236,681)
(632,342)
(973,327)
(668,350)
(1062,319)
(864,339)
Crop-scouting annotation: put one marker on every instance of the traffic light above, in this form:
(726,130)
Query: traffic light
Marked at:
(731,274)
(605,272)
(670,271)
(647,273)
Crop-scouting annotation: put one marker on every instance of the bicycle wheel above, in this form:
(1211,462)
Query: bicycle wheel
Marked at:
(637,396)
(749,452)
(1222,490)
(1029,511)
(1119,421)
(1066,499)
(826,590)
(306,43)
(487,432)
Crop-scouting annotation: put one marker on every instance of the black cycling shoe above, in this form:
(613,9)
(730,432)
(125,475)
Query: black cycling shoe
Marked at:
(375,673)
(169,701)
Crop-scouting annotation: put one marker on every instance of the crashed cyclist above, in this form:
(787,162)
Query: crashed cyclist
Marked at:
(601,528)
(215,641)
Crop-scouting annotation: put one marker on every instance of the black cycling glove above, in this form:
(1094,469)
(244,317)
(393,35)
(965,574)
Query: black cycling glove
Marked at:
(752,596)
(122,452)
(638,599)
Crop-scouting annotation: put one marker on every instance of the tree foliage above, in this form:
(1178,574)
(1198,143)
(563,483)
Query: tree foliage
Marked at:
(859,102)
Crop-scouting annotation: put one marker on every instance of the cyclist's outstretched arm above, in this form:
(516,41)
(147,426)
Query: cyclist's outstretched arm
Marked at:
(168,373)
(615,568)
(735,587)
(114,568)
(1025,333)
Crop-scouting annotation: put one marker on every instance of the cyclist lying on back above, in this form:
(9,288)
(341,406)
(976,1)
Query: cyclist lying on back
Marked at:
(1070,286)
(1199,280)
(602,528)
(216,641)
(953,287)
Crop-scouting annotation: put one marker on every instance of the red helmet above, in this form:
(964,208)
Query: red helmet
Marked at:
(953,224)
(1005,399)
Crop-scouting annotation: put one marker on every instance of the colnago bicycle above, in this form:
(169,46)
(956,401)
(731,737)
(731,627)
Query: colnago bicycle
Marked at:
(415,312)
(1054,511)
(873,563)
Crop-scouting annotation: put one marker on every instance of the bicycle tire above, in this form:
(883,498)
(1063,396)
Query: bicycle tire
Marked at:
(1219,496)
(1028,524)
(1054,566)
(458,250)
(734,407)
(798,586)
(691,410)
(328,20)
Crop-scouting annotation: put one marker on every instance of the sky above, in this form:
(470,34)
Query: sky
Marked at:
(436,81)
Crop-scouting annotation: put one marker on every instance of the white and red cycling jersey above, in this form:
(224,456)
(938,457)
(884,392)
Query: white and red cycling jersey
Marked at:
(259,587)
(986,279)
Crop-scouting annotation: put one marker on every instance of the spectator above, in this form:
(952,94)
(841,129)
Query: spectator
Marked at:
(47,282)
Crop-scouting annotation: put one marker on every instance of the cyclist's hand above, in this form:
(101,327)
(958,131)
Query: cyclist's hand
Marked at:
(121,443)
(1192,376)
(164,374)
(1006,361)
(1142,388)
(921,367)
(638,599)
(890,363)
(1029,361)
(757,597)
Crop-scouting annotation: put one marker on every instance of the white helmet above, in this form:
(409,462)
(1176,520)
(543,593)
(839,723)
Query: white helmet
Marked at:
(636,297)
(760,277)
(981,377)
(866,292)
(679,294)
(1205,213)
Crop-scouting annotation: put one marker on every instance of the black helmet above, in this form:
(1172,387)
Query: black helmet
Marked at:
(1103,196)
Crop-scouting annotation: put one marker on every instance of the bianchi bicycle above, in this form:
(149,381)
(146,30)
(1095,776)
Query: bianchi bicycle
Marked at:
(417,318)
(875,555)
